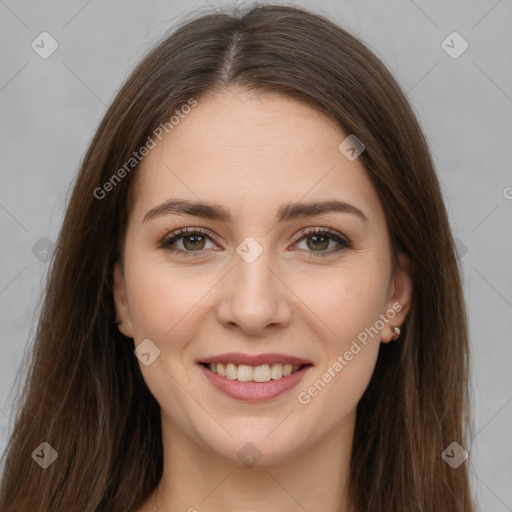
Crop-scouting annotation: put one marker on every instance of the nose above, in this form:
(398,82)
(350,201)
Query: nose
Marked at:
(253,297)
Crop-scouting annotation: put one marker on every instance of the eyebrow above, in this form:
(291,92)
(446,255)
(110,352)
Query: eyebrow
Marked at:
(286,212)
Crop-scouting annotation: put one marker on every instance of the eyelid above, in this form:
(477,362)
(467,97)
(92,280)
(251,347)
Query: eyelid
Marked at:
(181,232)
(322,231)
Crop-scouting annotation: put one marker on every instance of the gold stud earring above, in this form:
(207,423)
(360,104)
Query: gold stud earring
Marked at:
(396,332)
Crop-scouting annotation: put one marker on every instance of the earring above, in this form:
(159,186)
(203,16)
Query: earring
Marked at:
(396,332)
(119,322)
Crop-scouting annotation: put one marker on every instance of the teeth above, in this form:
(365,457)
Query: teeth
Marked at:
(261,373)
(277,371)
(231,371)
(287,370)
(247,373)
(244,373)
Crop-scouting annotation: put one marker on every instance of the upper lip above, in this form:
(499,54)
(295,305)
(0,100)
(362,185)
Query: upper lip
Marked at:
(255,360)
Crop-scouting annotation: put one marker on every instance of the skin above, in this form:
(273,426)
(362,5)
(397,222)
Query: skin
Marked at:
(252,153)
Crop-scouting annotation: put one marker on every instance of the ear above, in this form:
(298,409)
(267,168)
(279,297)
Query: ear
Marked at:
(121,303)
(399,296)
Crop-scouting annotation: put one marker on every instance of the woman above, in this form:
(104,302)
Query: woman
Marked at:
(254,303)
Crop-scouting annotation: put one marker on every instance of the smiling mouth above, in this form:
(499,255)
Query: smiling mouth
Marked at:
(247,373)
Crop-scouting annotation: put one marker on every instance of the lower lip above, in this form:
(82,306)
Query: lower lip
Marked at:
(254,391)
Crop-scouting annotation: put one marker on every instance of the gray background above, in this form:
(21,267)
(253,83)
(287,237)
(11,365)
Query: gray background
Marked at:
(51,107)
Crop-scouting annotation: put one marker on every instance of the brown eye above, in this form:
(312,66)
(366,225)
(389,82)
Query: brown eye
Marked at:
(193,242)
(188,242)
(318,242)
(322,242)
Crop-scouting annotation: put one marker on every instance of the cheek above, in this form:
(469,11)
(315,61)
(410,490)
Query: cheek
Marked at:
(351,309)
(348,303)
(154,304)
(162,297)
(165,307)
(346,299)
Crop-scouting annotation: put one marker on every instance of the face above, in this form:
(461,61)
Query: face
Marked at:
(257,282)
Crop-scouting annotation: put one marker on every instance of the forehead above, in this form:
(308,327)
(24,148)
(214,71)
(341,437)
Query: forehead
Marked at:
(240,149)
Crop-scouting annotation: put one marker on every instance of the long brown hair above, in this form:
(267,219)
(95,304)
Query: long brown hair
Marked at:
(85,395)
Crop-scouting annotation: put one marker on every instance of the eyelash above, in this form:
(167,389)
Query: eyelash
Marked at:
(181,233)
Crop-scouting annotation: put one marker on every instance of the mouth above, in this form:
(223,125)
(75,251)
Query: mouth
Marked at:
(254,378)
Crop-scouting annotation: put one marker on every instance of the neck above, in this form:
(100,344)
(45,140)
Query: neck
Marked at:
(196,479)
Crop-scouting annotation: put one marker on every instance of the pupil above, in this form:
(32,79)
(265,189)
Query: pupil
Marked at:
(317,241)
(195,240)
